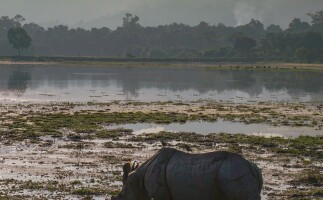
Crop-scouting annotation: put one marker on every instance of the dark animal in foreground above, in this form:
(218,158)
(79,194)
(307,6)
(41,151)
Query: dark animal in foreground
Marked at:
(174,175)
(164,144)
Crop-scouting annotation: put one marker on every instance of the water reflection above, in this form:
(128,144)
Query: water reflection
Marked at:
(74,83)
(220,126)
(18,81)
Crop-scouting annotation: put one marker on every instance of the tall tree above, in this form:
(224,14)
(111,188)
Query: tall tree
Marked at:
(245,45)
(297,26)
(303,54)
(312,40)
(274,29)
(18,19)
(317,21)
(19,39)
(254,29)
(130,19)
(317,18)
(172,40)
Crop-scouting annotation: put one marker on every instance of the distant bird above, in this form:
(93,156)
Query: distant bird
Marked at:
(75,138)
(164,144)
(187,148)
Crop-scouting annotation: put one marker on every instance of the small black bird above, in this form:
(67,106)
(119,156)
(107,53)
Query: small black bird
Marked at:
(188,148)
(164,143)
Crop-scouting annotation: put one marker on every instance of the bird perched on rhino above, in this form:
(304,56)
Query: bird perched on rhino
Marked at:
(187,148)
(164,144)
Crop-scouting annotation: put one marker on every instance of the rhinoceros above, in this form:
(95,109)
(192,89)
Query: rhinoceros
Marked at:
(174,175)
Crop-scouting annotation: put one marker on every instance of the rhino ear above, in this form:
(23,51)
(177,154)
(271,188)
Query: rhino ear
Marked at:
(134,166)
(126,171)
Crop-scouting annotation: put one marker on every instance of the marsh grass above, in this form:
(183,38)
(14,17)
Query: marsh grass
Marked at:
(301,146)
(310,177)
(90,123)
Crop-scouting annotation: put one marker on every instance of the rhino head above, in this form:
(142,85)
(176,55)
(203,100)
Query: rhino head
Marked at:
(130,189)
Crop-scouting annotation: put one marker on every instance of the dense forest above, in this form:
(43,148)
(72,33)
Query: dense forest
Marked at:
(301,41)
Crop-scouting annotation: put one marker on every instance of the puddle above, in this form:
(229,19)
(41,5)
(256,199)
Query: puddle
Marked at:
(221,126)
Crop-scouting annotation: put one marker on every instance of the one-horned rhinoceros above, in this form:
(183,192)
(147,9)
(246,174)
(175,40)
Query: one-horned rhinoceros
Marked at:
(174,175)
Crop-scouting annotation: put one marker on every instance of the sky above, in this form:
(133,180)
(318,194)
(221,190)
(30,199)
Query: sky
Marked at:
(98,13)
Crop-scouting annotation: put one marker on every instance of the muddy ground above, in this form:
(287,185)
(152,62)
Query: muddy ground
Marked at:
(64,151)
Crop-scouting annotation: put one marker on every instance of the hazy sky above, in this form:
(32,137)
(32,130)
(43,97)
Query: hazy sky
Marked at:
(94,13)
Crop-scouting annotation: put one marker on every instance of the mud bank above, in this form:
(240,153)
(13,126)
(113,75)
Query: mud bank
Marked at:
(64,151)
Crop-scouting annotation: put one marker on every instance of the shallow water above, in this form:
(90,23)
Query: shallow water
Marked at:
(220,126)
(93,83)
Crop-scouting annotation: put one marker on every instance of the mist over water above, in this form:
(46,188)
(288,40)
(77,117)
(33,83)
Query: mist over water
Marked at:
(99,13)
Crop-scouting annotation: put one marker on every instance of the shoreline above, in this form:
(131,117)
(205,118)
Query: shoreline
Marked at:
(172,64)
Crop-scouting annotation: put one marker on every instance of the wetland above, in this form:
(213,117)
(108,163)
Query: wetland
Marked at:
(66,131)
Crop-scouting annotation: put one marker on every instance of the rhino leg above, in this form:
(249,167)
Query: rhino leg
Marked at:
(237,179)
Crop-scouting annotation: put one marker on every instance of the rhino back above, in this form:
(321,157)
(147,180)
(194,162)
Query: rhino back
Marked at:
(191,177)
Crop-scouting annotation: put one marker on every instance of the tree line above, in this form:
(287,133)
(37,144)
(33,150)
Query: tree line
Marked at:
(301,41)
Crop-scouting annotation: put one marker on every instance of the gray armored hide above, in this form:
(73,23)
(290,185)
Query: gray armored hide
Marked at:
(175,175)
